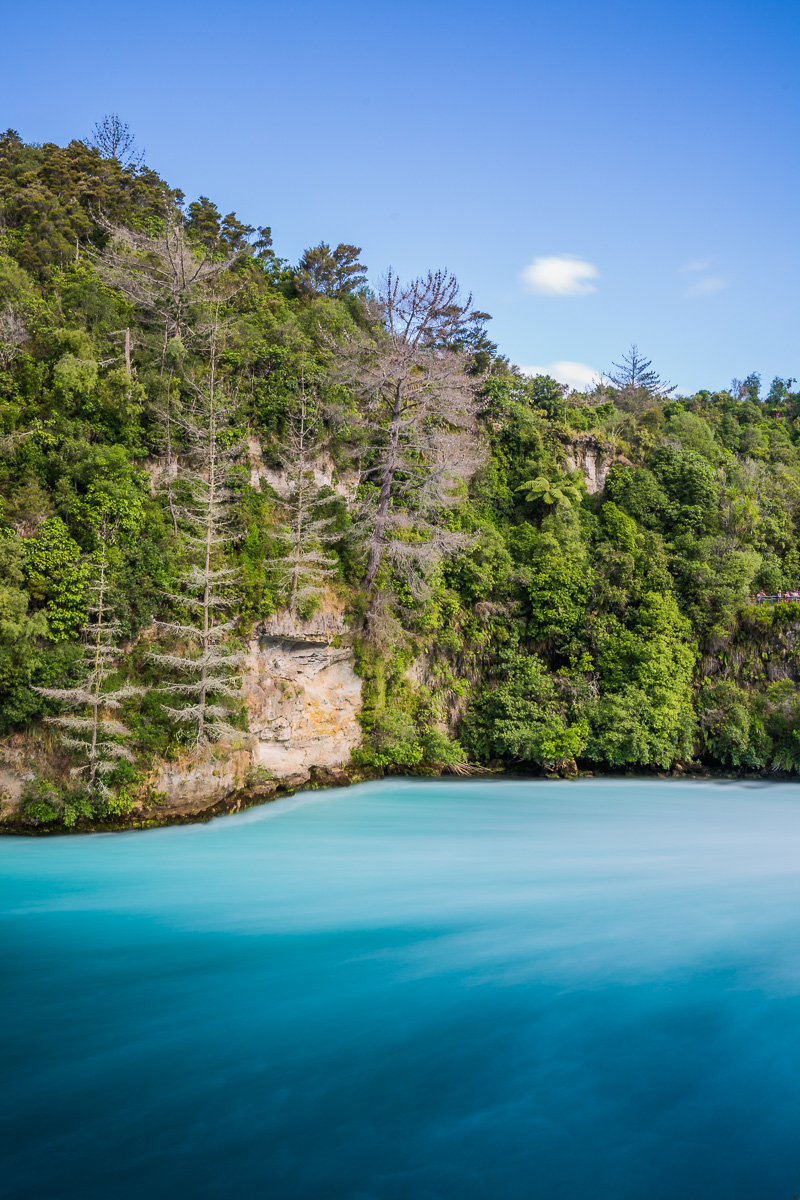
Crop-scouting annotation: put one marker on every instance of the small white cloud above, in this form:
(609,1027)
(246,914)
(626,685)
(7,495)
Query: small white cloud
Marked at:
(560,275)
(576,375)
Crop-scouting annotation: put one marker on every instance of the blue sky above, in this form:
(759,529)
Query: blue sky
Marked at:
(596,173)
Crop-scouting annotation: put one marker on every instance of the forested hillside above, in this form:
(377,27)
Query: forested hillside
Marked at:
(159,364)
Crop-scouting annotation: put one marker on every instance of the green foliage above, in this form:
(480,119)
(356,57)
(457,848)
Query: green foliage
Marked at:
(617,629)
(56,578)
(557,491)
(393,739)
(559,584)
(644,711)
(524,715)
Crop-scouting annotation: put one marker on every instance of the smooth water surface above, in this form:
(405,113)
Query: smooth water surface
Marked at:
(411,990)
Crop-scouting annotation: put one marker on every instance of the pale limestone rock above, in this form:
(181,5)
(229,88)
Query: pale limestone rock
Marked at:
(587,455)
(198,783)
(303,699)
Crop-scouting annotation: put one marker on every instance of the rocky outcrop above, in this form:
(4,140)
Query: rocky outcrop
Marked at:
(593,458)
(344,483)
(190,787)
(303,698)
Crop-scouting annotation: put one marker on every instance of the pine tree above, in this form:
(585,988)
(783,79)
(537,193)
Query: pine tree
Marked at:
(637,382)
(90,729)
(304,567)
(208,670)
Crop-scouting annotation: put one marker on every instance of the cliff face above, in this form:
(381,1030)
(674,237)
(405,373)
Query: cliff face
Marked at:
(593,458)
(303,699)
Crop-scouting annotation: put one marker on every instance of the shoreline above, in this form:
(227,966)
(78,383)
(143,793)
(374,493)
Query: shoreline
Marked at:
(322,777)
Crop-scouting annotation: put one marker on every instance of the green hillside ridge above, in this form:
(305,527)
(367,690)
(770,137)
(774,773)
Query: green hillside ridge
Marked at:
(153,350)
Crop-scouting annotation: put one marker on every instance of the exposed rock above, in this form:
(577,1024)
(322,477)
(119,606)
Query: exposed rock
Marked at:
(11,783)
(319,629)
(593,458)
(330,777)
(344,483)
(303,699)
(192,786)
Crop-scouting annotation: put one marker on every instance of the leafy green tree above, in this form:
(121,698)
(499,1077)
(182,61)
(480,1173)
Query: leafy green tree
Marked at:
(56,578)
(336,273)
(523,715)
(644,711)
(560,491)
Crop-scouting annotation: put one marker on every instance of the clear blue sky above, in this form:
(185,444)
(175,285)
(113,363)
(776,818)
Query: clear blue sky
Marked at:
(646,153)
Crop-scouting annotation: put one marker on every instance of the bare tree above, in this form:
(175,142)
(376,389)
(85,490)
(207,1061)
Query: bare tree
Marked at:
(417,417)
(12,334)
(639,385)
(90,729)
(162,275)
(113,138)
(304,568)
(209,670)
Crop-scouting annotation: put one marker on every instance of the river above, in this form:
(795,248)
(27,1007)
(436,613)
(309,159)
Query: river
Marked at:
(411,990)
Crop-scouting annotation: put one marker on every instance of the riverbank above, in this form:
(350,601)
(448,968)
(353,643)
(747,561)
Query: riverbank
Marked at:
(156,813)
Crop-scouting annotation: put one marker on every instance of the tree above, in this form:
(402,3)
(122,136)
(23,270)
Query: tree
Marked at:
(219,235)
(336,273)
(417,419)
(208,669)
(114,139)
(162,275)
(95,734)
(559,492)
(639,385)
(644,712)
(304,567)
(56,576)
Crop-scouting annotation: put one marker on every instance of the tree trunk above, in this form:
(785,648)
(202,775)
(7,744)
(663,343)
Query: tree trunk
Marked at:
(96,689)
(207,570)
(301,463)
(376,542)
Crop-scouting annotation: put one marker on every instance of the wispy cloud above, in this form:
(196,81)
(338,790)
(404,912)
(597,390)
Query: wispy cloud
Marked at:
(706,284)
(697,264)
(576,375)
(560,275)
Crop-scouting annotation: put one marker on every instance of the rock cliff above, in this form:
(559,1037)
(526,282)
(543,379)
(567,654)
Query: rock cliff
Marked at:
(303,698)
(593,458)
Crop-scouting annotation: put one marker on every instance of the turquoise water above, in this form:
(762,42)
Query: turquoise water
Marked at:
(411,990)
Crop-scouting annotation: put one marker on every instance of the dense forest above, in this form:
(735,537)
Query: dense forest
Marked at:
(507,605)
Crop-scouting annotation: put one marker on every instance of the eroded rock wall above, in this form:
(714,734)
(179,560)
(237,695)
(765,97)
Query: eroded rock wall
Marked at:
(303,698)
(593,458)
